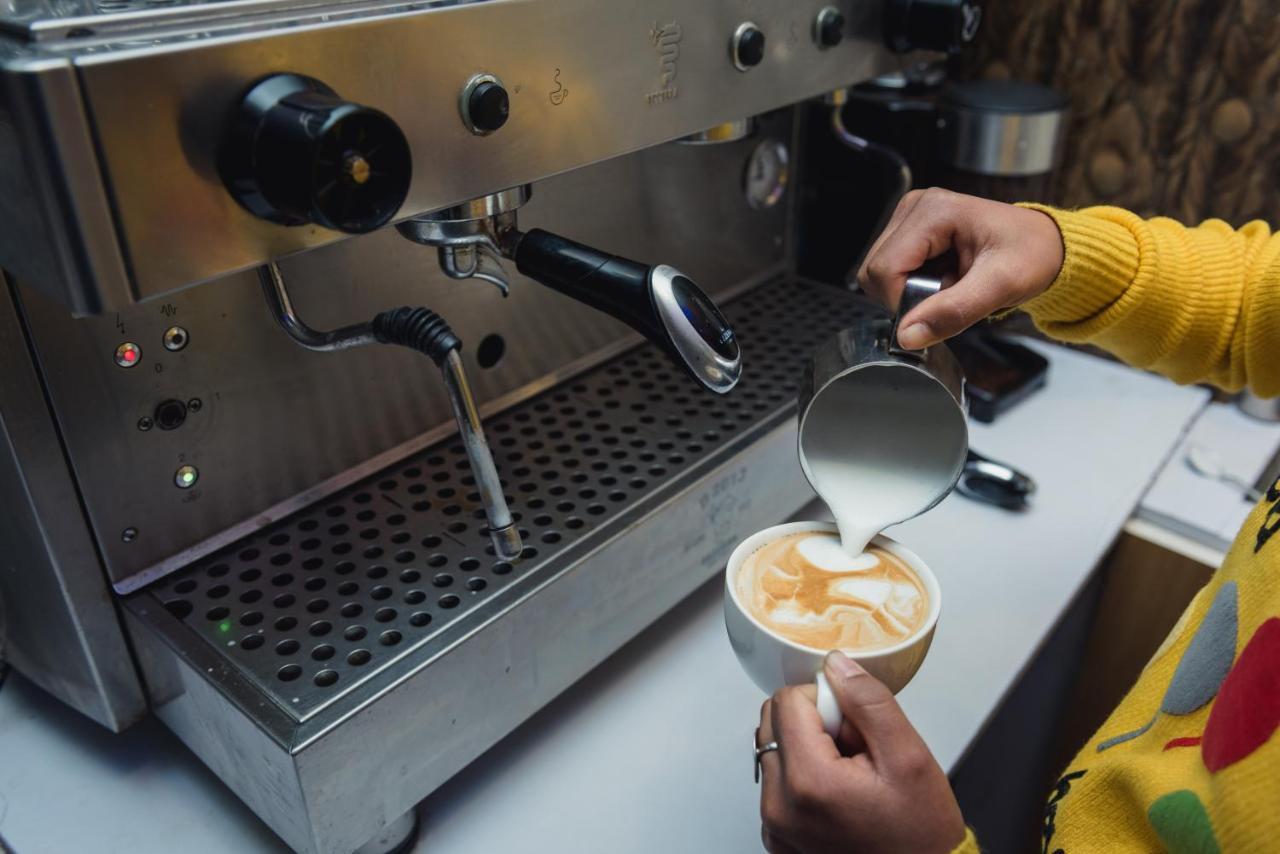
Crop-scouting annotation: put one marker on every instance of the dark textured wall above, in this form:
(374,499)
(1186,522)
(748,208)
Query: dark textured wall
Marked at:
(1175,103)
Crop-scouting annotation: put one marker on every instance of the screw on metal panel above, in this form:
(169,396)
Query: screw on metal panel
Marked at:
(175,338)
(129,534)
(145,423)
(194,404)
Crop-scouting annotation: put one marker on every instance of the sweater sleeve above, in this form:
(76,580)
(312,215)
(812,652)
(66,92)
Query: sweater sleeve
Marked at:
(1195,304)
(968,845)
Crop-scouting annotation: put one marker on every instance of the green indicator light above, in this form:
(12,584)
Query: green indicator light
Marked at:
(186,476)
(224,626)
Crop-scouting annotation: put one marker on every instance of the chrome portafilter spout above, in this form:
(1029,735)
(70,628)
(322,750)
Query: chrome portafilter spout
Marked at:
(425,331)
(657,301)
(467,236)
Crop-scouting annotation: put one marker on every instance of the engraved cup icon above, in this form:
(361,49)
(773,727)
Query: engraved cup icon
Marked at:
(558,94)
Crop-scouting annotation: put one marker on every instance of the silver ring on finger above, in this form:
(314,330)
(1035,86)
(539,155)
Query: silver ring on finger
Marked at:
(761,751)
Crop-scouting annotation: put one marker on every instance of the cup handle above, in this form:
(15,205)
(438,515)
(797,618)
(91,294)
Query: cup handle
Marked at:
(828,708)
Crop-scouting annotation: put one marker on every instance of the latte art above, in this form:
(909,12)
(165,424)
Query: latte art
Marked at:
(806,589)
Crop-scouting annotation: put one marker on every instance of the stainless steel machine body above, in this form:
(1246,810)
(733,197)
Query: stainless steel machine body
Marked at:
(284,553)
(144,97)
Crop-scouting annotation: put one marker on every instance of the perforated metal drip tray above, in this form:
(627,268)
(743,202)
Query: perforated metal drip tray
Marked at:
(325,599)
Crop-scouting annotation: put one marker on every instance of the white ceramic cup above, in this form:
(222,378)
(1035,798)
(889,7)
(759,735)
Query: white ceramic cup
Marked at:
(772,661)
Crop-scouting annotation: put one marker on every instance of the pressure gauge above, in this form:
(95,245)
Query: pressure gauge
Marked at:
(765,178)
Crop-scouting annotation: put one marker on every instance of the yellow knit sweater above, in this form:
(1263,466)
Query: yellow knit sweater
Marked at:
(1190,760)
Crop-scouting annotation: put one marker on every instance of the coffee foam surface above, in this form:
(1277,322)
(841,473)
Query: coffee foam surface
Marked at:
(806,588)
(827,552)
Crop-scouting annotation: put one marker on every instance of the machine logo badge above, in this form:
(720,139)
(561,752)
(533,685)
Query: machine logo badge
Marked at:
(666,40)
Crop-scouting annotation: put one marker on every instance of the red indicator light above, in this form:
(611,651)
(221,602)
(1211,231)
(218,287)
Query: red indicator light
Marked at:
(128,354)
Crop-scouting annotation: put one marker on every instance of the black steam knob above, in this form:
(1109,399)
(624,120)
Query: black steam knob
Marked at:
(828,27)
(747,46)
(296,153)
(485,105)
(942,25)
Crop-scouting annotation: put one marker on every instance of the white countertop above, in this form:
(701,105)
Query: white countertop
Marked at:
(1204,510)
(649,751)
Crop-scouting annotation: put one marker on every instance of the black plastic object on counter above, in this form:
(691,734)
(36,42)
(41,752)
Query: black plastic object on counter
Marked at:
(999,373)
(992,482)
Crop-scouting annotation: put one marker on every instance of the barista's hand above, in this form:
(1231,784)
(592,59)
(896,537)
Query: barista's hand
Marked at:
(1007,255)
(879,791)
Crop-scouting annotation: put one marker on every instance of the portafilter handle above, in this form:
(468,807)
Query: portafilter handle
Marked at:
(659,302)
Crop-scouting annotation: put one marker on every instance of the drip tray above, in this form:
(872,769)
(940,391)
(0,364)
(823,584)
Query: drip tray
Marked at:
(382,610)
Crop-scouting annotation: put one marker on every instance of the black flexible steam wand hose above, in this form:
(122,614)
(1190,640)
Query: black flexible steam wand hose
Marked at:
(423,330)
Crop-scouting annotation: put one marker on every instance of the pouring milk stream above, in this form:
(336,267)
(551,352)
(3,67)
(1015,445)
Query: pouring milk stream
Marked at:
(883,435)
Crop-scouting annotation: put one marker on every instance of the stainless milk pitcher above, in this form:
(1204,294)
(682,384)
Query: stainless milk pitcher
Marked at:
(881,421)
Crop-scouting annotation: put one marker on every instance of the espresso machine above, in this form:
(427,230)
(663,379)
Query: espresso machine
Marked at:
(374,369)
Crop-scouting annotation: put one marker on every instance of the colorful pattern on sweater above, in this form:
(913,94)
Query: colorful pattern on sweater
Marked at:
(1189,762)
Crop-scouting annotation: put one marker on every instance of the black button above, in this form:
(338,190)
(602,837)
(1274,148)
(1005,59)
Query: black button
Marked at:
(830,28)
(488,107)
(748,48)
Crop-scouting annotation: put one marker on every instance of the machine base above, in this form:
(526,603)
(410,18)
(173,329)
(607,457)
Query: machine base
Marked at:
(338,666)
(396,838)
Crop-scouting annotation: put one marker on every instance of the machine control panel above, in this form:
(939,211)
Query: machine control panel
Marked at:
(201,155)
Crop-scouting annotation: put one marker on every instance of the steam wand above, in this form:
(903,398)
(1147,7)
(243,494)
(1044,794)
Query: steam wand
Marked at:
(888,157)
(425,331)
